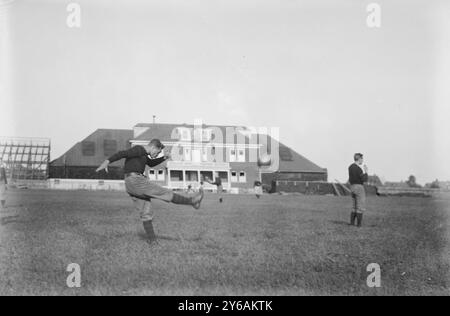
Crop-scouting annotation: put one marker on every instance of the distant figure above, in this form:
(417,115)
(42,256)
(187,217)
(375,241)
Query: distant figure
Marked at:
(217,183)
(358,175)
(258,189)
(189,189)
(3,184)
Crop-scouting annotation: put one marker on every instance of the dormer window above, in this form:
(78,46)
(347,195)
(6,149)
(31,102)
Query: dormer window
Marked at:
(185,134)
(207,135)
(202,135)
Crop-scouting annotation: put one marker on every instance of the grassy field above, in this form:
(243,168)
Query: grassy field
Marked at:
(278,245)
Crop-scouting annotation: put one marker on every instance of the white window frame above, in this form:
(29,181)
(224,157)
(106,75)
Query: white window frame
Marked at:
(187,154)
(204,154)
(234,179)
(241,158)
(233,158)
(161,175)
(152,175)
(242,179)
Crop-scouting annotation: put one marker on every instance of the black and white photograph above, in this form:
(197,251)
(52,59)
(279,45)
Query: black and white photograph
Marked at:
(224,153)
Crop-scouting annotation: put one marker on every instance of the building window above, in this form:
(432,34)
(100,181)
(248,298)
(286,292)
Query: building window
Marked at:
(187,154)
(176,175)
(192,176)
(206,175)
(202,135)
(224,176)
(207,135)
(161,175)
(242,177)
(234,177)
(232,155)
(185,134)
(205,154)
(241,155)
(88,149)
(156,175)
(109,147)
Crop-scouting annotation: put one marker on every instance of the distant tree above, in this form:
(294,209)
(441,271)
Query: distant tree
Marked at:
(412,182)
(375,180)
(435,184)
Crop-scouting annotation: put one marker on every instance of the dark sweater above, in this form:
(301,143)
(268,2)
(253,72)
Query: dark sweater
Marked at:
(136,159)
(357,175)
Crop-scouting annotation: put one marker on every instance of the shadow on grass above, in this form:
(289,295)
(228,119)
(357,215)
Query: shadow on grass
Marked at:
(346,224)
(9,220)
(144,237)
(10,207)
(340,223)
(169,238)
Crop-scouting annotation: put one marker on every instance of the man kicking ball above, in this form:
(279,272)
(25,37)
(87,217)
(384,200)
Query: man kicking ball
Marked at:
(139,187)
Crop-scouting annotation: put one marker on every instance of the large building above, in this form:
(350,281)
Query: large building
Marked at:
(198,152)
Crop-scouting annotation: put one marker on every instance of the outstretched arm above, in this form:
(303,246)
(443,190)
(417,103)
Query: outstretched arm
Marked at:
(136,151)
(104,166)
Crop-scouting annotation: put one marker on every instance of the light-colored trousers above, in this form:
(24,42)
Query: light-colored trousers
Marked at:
(142,191)
(359,198)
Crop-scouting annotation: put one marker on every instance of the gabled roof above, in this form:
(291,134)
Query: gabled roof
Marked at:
(290,160)
(75,157)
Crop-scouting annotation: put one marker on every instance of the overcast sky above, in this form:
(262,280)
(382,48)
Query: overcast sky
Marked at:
(311,67)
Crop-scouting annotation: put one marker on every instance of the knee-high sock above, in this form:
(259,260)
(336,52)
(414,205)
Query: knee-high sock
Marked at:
(181,199)
(148,227)
(359,217)
(353,218)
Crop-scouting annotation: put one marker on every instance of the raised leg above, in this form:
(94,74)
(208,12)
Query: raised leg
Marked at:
(141,187)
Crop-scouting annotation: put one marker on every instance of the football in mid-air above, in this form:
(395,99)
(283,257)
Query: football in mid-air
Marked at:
(264,160)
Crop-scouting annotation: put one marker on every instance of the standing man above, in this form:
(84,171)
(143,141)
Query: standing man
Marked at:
(358,175)
(258,189)
(219,185)
(139,187)
(3,184)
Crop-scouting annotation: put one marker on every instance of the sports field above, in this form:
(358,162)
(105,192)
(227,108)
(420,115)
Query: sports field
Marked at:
(278,245)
